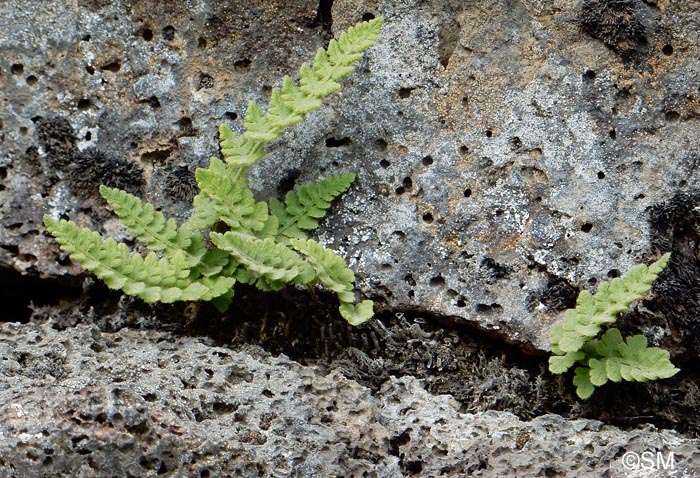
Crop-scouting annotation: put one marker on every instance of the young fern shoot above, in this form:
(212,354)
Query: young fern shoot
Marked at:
(255,242)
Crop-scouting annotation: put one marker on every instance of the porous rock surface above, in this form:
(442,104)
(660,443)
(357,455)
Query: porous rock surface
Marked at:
(80,402)
(508,153)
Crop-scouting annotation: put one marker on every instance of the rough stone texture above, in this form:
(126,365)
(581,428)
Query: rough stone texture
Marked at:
(508,152)
(81,403)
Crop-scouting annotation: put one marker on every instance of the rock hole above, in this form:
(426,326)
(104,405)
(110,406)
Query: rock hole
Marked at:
(437,281)
(589,75)
(113,66)
(384,163)
(613,273)
(201,43)
(367,16)
(601,175)
(400,190)
(88,136)
(32,80)
(667,50)
(90,69)
(86,38)
(147,34)
(242,65)
(410,280)
(499,212)
(381,144)
(153,102)
(407,182)
(405,92)
(205,81)
(84,104)
(337,143)
(672,116)
(186,127)
(613,134)
(587,227)
(461,303)
(231,115)
(463,149)
(428,218)
(168,33)
(17,69)
(515,143)
(467,193)
(427,161)
(489,133)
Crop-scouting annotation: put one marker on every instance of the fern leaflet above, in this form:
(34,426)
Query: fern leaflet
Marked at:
(305,206)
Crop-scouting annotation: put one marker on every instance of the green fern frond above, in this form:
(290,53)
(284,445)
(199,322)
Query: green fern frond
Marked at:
(148,225)
(237,150)
(332,271)
(357,314)
(150,278)
(293,102)
(259,126)
(265,258)
(227,198)
(593,311)
(307,204)
(627,359)
(182,264)
(611,357)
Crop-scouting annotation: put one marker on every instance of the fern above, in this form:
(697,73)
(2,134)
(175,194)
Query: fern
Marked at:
(611,357)
(150,278)
(254,242)
(304,207)
(332,272)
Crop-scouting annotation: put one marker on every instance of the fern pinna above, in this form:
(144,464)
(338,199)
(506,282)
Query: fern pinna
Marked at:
(255,242)
(611,357)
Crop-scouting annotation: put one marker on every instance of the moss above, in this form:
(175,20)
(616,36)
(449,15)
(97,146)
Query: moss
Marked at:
(92,167)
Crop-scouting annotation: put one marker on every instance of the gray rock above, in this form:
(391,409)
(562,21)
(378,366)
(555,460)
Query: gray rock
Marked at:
(79,402)
(507,154)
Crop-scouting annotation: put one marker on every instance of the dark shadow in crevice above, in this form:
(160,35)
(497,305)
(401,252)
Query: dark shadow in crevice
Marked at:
(20,293)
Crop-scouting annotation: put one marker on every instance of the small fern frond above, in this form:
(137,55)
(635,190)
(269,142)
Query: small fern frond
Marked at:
(307,204)
(227,198)
(593,311)
(628,359)
(329,266)
(264,258)
(148,225)
(150,278)
(289,105)
(237,150)
(259,126)
(611,357)
(332,271)
(357,314)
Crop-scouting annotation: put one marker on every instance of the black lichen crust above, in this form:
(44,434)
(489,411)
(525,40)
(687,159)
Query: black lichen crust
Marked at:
(617,23)
(92,168)
(57,137)
(181,184)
